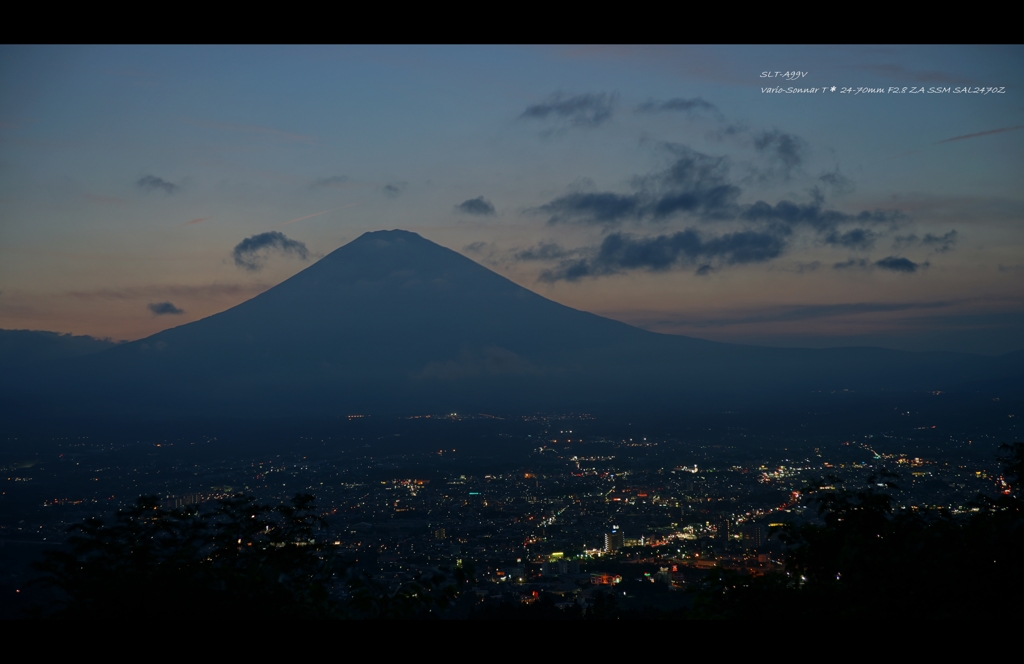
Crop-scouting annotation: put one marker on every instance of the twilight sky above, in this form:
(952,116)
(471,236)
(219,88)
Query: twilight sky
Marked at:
(146,187)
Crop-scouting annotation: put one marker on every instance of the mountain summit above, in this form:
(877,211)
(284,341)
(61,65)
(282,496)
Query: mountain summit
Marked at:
(389,303)
(394,322)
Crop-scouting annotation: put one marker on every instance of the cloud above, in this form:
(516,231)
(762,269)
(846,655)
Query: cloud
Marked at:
(621,252)
(940,244)
(678,104)
(153,183)
(980,133)
(835,180)
(479,206)
(587,207)
(899,264)
(394,189)
(785,151)
(858,238)
(698,186)
(332,182)
(812,214)
(543,251)
(704,270)
(163,308)
(586,110)
(251,252)
(695,184)
(780,146)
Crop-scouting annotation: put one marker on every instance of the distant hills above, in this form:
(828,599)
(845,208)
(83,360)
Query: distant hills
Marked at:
(392,322)
(22,348)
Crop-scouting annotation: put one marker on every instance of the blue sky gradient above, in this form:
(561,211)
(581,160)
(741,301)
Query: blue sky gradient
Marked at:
(130,174)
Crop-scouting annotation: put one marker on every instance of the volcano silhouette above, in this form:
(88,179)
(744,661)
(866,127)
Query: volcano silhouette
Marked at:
(393,322)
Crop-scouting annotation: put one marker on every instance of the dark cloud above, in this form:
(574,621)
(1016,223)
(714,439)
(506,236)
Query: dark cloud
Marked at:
(164,308)
(853,262)
(695,184)
(688,106)
(479,206)
(938,243)
(587,110)
(601,207)
(393,189)
(251,252)
(833,182)
(333,182)
(621,252)
(812,214)
(543,251)
(729,130)
(571,271)
(780,146)
(941,243)
(899,264)
(835,179)
(783,151)
(153,183)
(858,238)
(699,186)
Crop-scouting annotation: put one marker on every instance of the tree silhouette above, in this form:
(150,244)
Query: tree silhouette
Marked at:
(240,559)
(865,560)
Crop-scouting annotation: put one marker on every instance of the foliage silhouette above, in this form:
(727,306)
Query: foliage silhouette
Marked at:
(240,559)
(863,559)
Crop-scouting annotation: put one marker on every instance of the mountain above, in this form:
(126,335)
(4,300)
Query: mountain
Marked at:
(392,322)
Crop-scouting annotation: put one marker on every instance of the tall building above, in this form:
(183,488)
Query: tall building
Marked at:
(724,529)
(612,541)
(754,536)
